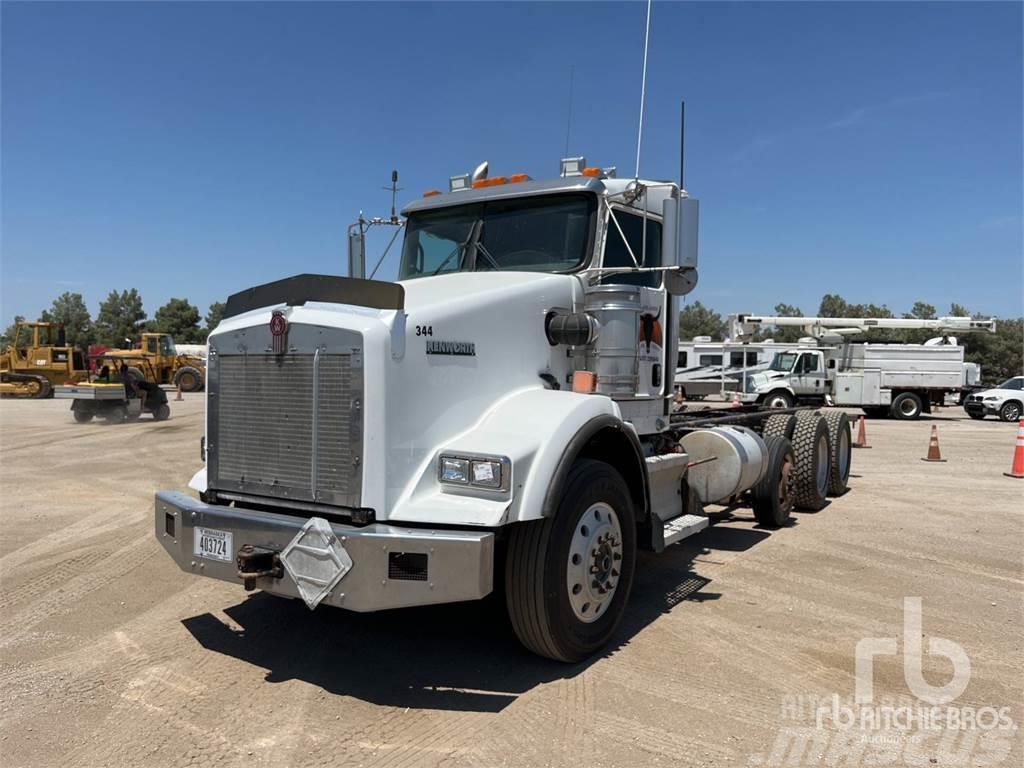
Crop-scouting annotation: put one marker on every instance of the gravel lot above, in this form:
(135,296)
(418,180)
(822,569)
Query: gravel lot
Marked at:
(112,656)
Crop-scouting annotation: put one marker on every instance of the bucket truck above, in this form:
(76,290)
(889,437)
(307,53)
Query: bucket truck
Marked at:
(901,380)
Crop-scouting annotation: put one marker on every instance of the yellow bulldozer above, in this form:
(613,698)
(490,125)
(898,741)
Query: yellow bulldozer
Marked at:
(158,362)
(38,360)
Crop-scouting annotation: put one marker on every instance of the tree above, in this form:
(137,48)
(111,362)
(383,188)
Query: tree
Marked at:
(119,318)
(958,310)
(70,309)
(8,337)
(698,320)
(214,316)
(922,311)
(833,305)
(180,319)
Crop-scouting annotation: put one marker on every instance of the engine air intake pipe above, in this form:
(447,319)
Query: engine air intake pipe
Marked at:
(575,330)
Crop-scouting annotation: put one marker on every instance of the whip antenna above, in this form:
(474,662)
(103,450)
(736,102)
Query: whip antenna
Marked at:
(643,89)
(568,121)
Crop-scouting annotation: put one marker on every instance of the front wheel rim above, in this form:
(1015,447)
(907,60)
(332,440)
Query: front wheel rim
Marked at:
(1012,412)
(594,563)
(908,407)
(778,402)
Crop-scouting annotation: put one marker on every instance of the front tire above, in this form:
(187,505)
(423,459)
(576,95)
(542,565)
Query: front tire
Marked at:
(568,577)
(778,399)
(1010,411)
(82,416)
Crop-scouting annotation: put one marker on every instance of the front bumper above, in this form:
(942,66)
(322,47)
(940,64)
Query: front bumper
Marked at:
(979,407)
(459,564)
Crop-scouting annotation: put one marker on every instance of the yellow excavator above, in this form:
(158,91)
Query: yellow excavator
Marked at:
(38,360)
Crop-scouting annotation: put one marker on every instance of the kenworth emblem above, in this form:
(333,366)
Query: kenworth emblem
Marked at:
(279,331)
(451,348)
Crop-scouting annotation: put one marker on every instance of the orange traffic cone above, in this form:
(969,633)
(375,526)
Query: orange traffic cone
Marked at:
(862,438)
(178,396)
(933,446)
(1018,455)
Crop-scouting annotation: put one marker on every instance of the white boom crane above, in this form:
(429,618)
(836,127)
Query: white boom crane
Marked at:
(742,325)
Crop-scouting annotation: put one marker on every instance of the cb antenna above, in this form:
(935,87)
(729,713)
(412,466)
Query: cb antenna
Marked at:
(643,90)
(394,189)
(568,120)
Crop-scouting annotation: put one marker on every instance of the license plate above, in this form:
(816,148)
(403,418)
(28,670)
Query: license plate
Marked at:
(213,544)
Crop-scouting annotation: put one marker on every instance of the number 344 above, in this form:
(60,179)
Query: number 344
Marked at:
(424,330)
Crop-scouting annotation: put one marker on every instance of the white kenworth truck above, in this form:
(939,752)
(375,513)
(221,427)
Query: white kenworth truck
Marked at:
(500,418)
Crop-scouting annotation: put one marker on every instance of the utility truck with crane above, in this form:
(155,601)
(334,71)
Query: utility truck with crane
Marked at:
(902,380)
(499,419)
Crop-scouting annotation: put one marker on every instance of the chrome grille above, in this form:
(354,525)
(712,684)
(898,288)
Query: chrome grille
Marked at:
(287,426)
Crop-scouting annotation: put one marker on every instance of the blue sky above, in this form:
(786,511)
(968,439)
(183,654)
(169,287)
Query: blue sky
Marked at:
(868,149)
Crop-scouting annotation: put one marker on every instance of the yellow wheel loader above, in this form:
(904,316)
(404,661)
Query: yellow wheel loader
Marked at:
(165,365)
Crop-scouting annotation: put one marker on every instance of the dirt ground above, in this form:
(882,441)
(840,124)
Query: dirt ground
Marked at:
(109,655)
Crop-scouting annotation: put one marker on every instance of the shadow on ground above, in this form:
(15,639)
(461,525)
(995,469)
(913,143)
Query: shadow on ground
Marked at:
(462,656)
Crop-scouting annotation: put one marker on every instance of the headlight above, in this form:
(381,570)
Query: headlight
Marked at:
(454,470)
(992,397)
(493,472)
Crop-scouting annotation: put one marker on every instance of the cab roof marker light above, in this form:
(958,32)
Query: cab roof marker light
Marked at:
(495,181)
(572,166)
(459,183)
(432,192)
(592,173)
(515,178)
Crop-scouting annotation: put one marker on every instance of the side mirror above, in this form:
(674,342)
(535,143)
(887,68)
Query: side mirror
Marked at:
(356,253)
(680,218)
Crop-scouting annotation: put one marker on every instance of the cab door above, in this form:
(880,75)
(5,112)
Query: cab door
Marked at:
(809,374)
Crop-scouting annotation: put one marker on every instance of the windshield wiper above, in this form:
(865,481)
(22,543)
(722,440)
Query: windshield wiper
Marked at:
(460,249)
(487,254)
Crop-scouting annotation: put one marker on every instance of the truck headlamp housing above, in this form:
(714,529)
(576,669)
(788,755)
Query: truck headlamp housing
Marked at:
(476,471)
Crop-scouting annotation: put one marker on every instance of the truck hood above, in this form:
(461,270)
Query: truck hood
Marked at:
(759,381)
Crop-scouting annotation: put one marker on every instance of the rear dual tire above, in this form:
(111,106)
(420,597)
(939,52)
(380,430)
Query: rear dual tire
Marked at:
(773,495)
(813,451)
(559,605)
(841,444)
(906,406)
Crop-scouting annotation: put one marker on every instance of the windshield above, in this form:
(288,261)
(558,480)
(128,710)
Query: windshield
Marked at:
(536,234)
(1014,383)
(783,361)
